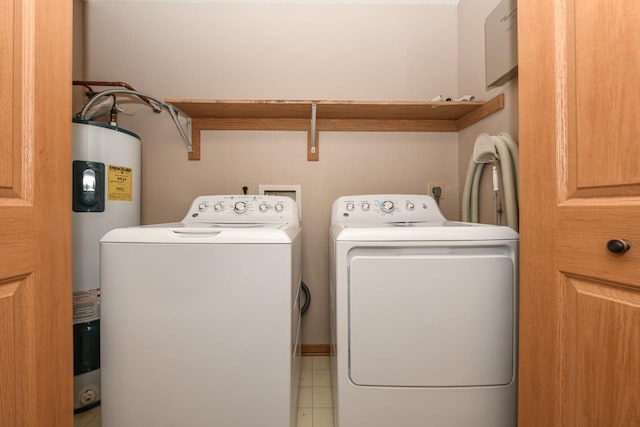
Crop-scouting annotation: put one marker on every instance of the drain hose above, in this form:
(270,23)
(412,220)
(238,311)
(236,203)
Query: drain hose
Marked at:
(507,154)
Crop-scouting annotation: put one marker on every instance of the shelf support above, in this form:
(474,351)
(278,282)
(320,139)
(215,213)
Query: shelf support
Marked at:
(313,153)
(194,154)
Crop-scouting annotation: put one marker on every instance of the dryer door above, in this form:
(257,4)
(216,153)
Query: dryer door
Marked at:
(432,317)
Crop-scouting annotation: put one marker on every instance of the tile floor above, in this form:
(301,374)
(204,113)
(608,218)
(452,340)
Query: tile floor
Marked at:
(90,418)
(314,401)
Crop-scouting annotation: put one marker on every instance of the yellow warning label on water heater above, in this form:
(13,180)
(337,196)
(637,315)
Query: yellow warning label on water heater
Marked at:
(120,185)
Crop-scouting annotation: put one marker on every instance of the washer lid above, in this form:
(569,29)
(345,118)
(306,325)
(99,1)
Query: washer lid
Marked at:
(211,233)
(421,231)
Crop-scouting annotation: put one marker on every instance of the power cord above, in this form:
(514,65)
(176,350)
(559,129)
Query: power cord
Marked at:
(437,193)
(307,300)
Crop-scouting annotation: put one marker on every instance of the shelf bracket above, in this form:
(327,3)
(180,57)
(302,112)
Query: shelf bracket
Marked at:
(314,109)
(312,140)
(194,154)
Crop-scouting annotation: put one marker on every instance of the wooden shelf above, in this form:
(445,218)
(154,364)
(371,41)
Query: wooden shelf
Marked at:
(380,116)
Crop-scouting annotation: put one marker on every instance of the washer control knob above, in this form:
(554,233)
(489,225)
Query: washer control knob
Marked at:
(410,206)
(279,207)
(365,206)
(350,206)
(263,208)
(218,207)
(240,207)
(202,207)
(386,206)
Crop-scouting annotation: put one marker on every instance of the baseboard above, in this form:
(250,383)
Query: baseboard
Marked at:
(316,349)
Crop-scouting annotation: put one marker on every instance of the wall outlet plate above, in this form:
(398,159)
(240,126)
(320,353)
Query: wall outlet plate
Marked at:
(293,191)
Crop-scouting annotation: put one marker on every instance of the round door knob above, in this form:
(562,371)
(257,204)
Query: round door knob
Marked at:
(618,246)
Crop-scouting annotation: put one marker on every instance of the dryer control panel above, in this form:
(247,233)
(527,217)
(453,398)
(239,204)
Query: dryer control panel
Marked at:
(242,209)
(385,208)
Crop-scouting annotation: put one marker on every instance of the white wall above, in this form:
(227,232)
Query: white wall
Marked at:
(282,51)
(471,80)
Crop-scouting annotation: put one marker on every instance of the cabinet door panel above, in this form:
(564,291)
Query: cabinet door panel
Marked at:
(579,74)
(36,364)
(603,347)
(607,80)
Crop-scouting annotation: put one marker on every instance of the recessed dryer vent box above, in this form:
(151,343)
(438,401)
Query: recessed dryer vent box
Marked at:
(501,43)
(292,191)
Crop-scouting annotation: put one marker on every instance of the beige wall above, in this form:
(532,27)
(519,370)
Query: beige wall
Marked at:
(471,80)
(282,51)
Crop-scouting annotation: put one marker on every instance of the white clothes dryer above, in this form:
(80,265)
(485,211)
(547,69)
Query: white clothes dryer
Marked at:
(423,316)
(201,320)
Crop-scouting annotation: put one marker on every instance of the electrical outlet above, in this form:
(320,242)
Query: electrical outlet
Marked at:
(435,185)
(243,186)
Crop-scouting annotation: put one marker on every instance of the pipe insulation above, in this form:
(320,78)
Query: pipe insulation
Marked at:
(501,149)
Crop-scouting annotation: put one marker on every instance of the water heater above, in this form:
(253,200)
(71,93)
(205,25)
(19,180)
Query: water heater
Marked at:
(106,195)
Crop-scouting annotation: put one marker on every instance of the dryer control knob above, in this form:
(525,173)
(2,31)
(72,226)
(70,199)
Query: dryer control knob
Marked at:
(279,207)
(386,206)
(365,206)
(263,208)
(350,206)
(202,207)
(410,206)
(218,207)
(240,207)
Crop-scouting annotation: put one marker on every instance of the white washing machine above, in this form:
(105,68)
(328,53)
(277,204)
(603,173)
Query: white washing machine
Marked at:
(423,316)
(200,319)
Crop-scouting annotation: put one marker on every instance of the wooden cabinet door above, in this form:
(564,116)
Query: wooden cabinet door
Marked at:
(580,156)
(36,364)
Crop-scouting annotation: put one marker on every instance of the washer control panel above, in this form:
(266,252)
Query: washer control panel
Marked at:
(385,208)
(242,209)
